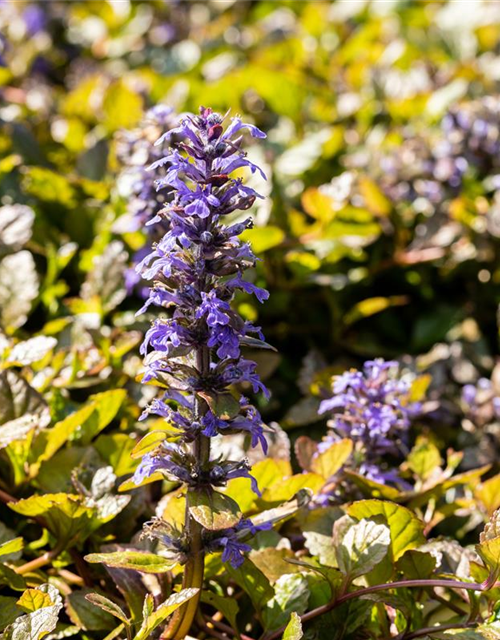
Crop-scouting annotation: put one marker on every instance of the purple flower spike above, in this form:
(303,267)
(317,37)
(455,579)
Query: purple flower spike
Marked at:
(373,408)
(196,267)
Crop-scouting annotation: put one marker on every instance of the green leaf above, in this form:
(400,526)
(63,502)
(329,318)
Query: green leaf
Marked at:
(289,487)
(488,631)
(317,526)
(82,425)
(39,623)
(51,440)
(7,535)
(106,405)
(362,548)
(213,510)
(12,546)
(148,443)
(115,449)
(130,584)
(16,223)
(9,611)
(155,618)
(488,492)
(224,405)
(291,595)
(252,581)
(372,488)
(327,464)
(302,263)
(12,579)
(293,629)
(489,546)
(424,459)
(406,528)
(30,351)
(21,408)
(49,186)
(396,601)
(274,562)
(351,616)
(227,606)
(135,560)
(416,564)
(263,238)
(105,281)
(34,599)
(66,515)
(372,306)
(19,285)
(85,615)
(55,475)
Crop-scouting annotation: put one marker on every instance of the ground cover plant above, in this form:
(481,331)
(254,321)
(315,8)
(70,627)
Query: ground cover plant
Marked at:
(249,307)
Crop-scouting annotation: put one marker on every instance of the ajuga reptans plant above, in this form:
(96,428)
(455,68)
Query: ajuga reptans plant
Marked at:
(194,349)
(373,408)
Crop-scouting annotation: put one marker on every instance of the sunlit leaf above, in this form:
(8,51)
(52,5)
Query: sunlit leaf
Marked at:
(374,198)
(21,408)
(155,618)
(213,510)
(30,351)
(134,560)
(19,286)
(105,281)
(116,449)
(406,529)
(293,629)
(371,306)
(49,186)
(291,595)
(11,546)
(424,459)
(288,487)
(16,222)
(66,515)
(107,605)
(40,622)
(148,443)
(34,599)
(328,462)
(489,546)
(263,239)
(488,492)
(364,545)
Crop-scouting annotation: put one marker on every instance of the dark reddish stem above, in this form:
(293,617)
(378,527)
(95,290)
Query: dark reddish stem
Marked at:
(319,611)
(420,633)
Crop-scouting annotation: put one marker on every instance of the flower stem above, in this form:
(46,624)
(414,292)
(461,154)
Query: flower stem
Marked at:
(40,562)
(194,568)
